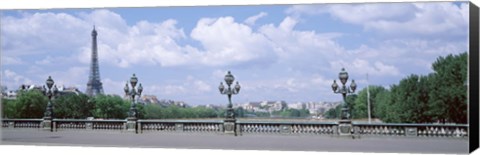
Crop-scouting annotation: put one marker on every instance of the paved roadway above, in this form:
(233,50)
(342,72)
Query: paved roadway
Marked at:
(230,142)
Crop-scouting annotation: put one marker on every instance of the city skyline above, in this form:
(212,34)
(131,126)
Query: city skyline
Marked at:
(276,52)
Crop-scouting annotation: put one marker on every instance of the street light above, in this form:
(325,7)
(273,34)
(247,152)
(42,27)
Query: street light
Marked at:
(48,115)
(229,123)
(344,125)
(229,92)
(132,114)
(344,90)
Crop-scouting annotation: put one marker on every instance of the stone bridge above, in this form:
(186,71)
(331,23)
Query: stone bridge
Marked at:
(249,135)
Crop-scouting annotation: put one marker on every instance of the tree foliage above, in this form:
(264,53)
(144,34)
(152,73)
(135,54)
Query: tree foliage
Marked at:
(171,112)
(448,95)
(30,104)
(8,108)
(440,96)
(293,113)
(73,106)
(110,106)
(360,105)
(333,113)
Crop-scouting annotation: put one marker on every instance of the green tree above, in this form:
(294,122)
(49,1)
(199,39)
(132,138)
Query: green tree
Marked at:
(239,112)
(350,100)
(8,108)
(360,105)
(30,104)
(141,113)
(382,101)
(109,106)
(448,95)
(153,112)
(333,112)
(73,106)
(409,101)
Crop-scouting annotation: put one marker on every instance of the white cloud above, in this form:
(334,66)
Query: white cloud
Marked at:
(397,19)
(320,81)
(219,74)
(362,67)
(15,79)
(228,42)
(188,86)
(7,60)
(73,76)
(55,60)
(113,86)
(251,20)
(431,20)
(40,33)
(146,43)
(300,47)
(173,89)
(201,86)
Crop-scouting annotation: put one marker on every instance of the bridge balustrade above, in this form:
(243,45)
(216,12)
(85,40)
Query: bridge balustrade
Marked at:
(411,130)
(81,124)
(22,123)
(315,128)
(252,127)
(180,126)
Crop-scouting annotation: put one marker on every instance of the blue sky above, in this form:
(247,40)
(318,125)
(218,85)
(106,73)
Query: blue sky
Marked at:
(276,52)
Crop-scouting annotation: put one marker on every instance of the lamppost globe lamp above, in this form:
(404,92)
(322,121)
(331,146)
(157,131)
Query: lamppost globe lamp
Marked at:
(140,89)
(229,78)
(133,81)
(237,87)
(221,87)
(345,123)
(134,92)
(353,86)
(48,115)
(343,76)
(126,88)
(229,123)
(334,86)
(49,82)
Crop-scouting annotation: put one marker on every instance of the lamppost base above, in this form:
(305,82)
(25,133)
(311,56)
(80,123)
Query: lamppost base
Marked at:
(345,127)
(229,126)
(47,124)
(131,124)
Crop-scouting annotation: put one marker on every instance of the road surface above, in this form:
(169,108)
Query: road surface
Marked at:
(198,140)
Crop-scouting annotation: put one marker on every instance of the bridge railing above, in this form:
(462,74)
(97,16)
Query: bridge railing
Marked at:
(80,124)
(316,128)
(411,130)
(252,127)
(22,123)
(180,126)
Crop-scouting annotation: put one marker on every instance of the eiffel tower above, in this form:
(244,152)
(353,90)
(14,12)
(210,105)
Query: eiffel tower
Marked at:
(94,86)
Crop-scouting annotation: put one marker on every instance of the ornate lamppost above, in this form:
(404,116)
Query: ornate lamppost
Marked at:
(132,114)
(345,124)
(229,122)
(48,115)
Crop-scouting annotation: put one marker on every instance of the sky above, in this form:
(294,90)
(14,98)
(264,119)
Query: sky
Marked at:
(276,52)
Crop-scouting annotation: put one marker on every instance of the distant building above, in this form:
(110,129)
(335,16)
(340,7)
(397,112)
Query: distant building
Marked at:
(251,106)
(149,99)
(180,104)
(62,90)
(10,95)
(211,106)
(69,90)
(297,105)
(273,105)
